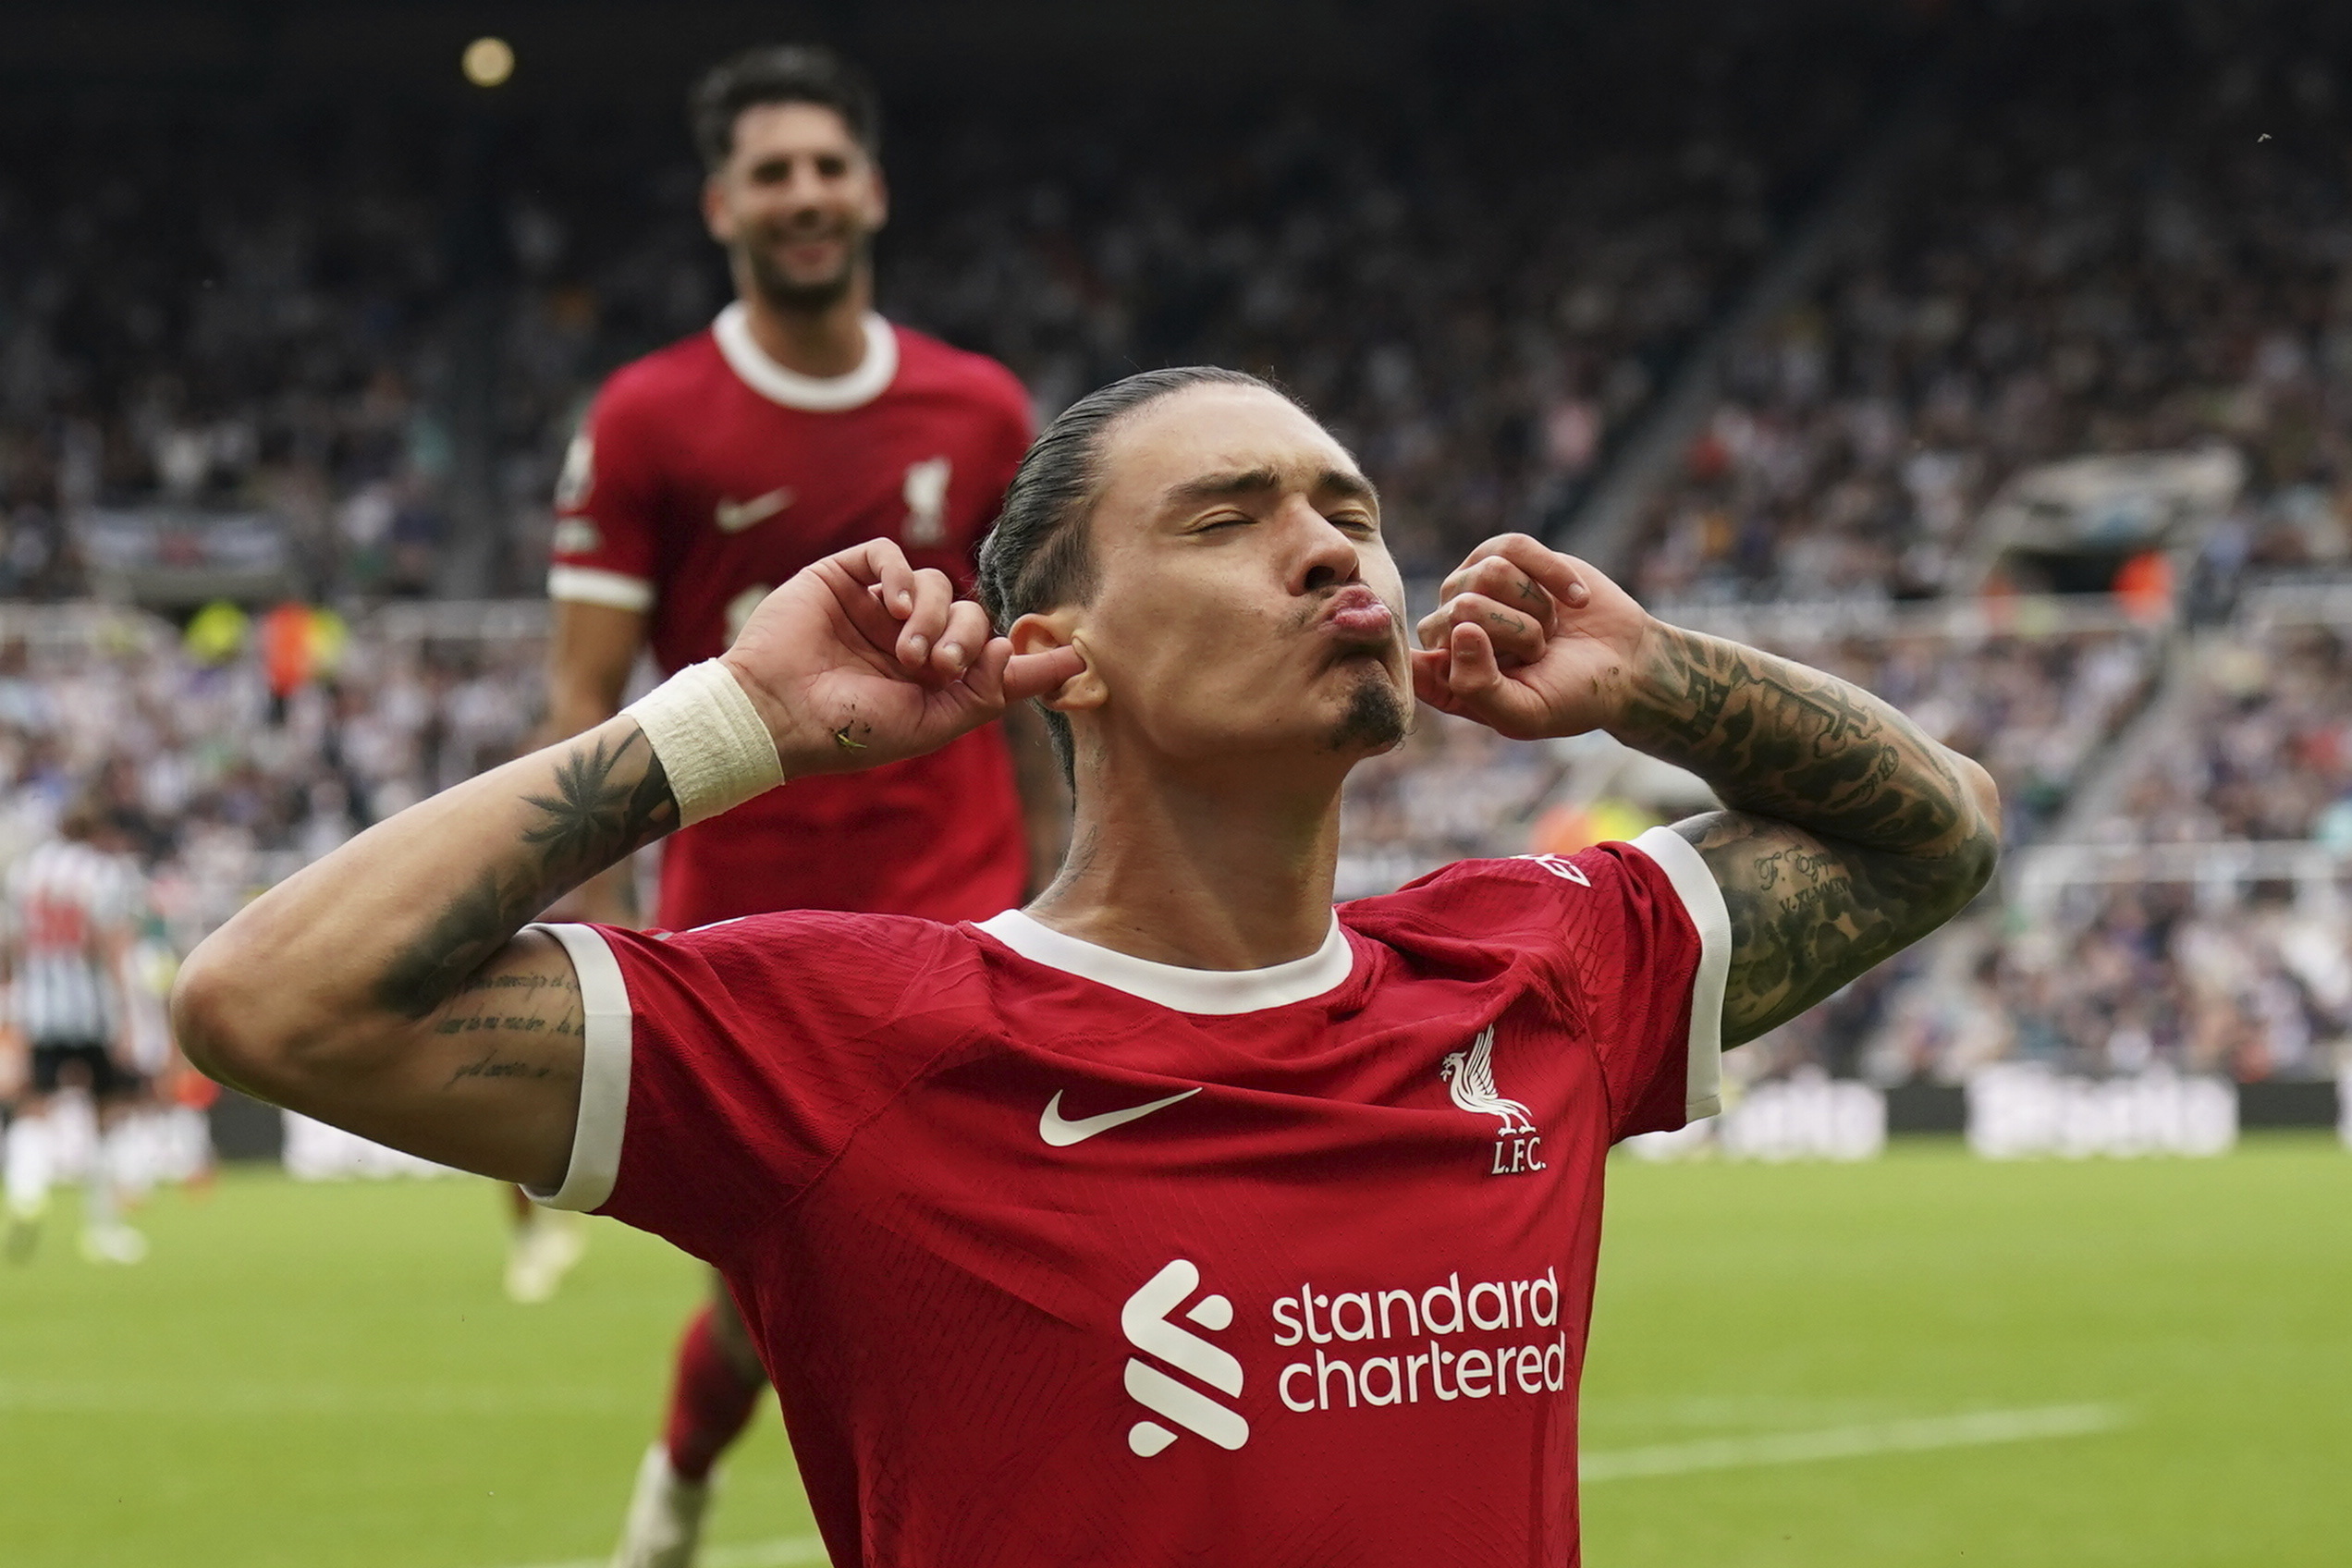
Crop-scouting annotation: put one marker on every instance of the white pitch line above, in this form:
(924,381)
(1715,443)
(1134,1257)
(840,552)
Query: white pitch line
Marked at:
(1665,1459)
(1852,1442)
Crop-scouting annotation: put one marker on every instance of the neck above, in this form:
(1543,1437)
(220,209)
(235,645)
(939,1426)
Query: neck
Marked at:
(1208,875)
(826,340)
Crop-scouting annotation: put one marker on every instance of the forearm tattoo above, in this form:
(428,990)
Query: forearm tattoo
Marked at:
(1850,836)
(609,798)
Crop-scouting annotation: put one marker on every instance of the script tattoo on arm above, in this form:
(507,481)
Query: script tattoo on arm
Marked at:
(608,798)
(1850,834)
(508,1011)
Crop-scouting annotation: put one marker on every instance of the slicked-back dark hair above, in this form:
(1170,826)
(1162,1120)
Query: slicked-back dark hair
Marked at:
(780,73)
(1039,555)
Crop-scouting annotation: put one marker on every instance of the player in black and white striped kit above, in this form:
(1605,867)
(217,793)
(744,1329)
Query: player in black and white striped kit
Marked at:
(72,905)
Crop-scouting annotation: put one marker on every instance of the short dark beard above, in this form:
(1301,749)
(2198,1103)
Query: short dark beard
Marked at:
(1376,718)
(806,299)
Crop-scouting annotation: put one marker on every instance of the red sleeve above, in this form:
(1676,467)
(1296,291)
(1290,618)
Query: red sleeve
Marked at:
(607,523)
(726,1068)
(1647,953)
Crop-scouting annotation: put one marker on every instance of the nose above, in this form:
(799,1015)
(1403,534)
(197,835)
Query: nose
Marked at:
(1327,556)
(807,186)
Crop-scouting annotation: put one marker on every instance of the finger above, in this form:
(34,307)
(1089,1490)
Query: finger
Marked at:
(1430,668)
(961,640)
(881,563)
(862,601)
(1481,691)
(1431,629)
(934,597)
(1561,576)
(1041,675)
(1517,635)
(1502,579)
(984,678)
(1474,671)
(873,585)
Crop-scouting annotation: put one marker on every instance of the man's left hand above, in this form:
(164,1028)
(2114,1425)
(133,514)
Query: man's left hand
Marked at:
(1530,642)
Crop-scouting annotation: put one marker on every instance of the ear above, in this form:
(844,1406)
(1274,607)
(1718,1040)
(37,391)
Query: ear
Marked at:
(716,218)
(1044,633)
(877,201)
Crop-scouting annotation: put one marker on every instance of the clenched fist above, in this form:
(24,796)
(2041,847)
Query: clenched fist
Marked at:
(1530,642)
(861,659)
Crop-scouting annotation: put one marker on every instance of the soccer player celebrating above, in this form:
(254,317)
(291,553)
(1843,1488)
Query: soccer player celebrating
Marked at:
(799,424)
(1178,1217)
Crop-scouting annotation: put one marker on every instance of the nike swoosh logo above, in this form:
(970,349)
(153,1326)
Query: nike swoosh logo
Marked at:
(1060,1134)
(733,516)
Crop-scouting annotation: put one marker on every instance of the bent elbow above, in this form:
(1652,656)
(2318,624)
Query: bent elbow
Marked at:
(1982,853)
(212,1018)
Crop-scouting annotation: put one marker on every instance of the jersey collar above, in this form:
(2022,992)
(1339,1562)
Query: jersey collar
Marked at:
(811,394)
(1184,990)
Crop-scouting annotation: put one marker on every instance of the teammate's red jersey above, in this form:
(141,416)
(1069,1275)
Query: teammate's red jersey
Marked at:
(706,475)
(1059,1255)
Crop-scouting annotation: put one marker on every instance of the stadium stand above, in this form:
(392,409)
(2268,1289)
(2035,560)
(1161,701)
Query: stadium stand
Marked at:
(240,780)
(2087,260)
(1487,289)
(1480,294)
(2205,919)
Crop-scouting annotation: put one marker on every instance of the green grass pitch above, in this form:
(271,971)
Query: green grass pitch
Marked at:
(304,1376)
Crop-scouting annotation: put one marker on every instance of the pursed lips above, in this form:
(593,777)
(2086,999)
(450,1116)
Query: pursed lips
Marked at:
(1361,618)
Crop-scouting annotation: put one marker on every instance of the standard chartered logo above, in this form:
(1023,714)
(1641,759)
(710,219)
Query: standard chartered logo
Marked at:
(1146,1321)
(1481,1342)
(1433,1341)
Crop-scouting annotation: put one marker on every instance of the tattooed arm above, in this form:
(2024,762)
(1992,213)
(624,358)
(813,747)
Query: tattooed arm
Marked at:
(1849,834)
(384,989)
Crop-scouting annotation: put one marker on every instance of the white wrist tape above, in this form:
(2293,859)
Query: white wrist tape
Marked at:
(712,745)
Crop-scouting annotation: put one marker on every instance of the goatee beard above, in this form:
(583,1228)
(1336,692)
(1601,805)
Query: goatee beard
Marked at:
(1376,720)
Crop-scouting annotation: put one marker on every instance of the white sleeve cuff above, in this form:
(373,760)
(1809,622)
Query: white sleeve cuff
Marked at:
(1703,899)
(604,1072)
(594,585)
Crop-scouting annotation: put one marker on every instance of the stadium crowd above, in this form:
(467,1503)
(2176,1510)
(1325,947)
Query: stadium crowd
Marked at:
(2265,751)
(2088,259)
(1480,292)
(2228,971)
(231,781)
(2077,263)
(2247,982)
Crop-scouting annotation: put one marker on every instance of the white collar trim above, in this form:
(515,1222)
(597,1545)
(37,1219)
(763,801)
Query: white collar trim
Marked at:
(1184,990)
(812,394)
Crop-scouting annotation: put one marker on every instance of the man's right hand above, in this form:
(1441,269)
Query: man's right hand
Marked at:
(861,659)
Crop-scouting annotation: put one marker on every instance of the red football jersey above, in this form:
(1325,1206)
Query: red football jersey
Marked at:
(1059,1255)
(706,474)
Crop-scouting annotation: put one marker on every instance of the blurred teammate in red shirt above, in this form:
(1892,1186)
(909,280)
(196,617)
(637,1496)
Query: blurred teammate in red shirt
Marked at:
(799,424)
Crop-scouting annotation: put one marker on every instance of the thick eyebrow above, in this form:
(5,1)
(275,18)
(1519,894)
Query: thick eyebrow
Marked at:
(1257,480)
